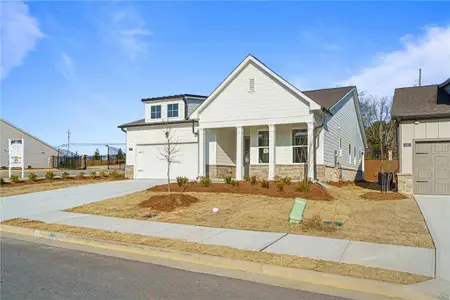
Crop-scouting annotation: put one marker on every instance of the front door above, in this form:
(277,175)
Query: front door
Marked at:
(246,156)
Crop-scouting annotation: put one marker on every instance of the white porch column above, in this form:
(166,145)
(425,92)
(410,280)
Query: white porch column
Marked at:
(239,152)
(311,152)
(272,143)
(201,152)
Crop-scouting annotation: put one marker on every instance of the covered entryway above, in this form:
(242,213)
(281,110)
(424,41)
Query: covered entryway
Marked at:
(150,164)
(432,168)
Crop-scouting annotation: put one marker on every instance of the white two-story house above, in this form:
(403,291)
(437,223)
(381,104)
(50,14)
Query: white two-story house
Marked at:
(255,123)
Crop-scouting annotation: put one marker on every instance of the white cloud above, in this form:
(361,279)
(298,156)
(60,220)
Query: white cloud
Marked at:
(20,33)
(66,66)
(128,30)
(430,51)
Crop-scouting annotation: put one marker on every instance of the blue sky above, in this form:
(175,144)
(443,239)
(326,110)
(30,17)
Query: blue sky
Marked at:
(86,65)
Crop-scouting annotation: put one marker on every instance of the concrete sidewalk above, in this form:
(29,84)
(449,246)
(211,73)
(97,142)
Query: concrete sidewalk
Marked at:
(383,256)
(21,206)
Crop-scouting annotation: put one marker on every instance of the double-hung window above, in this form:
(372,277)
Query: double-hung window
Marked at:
(155,112)
(172,110)
(263,147)
(299,145)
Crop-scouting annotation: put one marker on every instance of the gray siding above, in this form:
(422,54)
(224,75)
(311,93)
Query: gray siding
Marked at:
(36,152)
(192,105)
(343,124)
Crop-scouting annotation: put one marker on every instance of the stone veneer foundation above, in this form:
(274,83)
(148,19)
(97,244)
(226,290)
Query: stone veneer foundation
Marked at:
(217,171)
(327,173)
(296,172)
(129,171)
(260,171)
(405,183)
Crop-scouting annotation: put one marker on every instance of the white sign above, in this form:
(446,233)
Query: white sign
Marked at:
(16,155)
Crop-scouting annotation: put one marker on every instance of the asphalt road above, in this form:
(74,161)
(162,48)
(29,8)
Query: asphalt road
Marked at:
(37,271)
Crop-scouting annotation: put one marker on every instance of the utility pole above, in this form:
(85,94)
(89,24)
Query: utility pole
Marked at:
(68,142)
(420,77)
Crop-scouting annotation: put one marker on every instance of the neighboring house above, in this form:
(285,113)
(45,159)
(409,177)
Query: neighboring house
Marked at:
(254,123)
(36,151)
(423,120)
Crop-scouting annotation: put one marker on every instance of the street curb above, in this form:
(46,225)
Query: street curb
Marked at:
(299,275)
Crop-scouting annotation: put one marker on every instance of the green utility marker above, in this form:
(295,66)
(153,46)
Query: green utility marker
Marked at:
(298,208)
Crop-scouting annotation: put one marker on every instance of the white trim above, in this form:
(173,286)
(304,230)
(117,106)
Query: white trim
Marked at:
(259,147)
(239,68)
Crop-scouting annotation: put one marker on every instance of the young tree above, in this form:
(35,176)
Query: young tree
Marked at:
(120,155)
(96,155)
(170,153)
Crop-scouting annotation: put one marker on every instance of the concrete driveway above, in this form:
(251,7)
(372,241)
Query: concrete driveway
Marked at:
(436,210)
(22,206)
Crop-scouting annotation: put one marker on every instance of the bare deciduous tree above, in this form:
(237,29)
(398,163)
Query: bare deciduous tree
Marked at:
(170,153)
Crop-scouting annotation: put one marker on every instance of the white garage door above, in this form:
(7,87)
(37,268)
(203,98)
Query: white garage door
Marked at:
(151,165)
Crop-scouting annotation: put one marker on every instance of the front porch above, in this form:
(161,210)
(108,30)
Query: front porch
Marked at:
(264,151)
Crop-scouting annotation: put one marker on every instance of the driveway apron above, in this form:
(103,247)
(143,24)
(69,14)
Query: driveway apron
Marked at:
(436,211)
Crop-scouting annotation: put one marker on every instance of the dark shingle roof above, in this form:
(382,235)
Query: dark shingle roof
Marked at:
(173,97)
(328,97)
(420,101)
(142,122)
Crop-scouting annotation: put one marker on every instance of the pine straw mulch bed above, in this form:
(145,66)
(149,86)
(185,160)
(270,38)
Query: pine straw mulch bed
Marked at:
(168,202)
(315,191)
(222,251)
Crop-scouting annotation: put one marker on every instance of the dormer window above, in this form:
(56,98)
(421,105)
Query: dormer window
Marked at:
(172,110)
(155,112)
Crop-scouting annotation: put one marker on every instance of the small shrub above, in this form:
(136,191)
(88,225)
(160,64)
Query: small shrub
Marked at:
(302,186)
(227,179)
(316,223)
(265,184)
(247,178)
(29,167)
(2,181)
(93,175)
(182,180)
(64,175)
(116,175)
(280,186)
(234,182)
(205,181)
(103,174)
(14,178)
(49,175)
(32,176)
(253,180)
(287,180)
(81,175)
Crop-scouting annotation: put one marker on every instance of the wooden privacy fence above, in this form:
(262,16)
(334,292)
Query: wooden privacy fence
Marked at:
(372,167)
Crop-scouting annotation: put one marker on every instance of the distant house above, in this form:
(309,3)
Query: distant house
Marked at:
(255,123)
(36,151)
(423,118)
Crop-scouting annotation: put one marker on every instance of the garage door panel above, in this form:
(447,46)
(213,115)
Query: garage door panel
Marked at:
(151,164)
(432,168)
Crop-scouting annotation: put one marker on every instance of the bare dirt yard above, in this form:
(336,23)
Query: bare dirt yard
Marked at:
(397,222)
(28,186)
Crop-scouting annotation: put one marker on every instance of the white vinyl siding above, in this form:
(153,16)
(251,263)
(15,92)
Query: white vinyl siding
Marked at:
(425,129)
(164,113)
(191,105)
(226,147)
(154,134)
(342,127)
(269,103)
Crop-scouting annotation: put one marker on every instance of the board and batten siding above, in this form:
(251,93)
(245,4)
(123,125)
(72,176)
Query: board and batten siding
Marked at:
(343,124)
(425,129)
(270,102)
(154,135)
